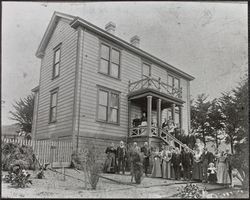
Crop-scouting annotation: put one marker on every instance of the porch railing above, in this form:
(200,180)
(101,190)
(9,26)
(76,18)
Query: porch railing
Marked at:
(142,131)
(155,84)
(164,135)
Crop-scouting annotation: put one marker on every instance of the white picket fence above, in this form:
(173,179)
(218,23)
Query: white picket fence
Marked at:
(57,153)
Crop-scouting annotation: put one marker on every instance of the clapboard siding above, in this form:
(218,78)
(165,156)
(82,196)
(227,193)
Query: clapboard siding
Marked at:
(131,70)
(66,35)
(186,98)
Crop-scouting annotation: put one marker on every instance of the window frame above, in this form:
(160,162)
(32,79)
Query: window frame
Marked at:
(57,48)
(109,91)
(173,80)
(110,61)
(52,92)
(150,69)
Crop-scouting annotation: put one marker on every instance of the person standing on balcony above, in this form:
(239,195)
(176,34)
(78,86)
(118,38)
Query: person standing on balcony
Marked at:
(136,121)
(146,154)
(144,119)
(165,124)
(121,157)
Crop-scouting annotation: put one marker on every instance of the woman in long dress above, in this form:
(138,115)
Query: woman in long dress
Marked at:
(166,156)
(197,166)
(110,163)
(222,170)
(156,171)
(172,171)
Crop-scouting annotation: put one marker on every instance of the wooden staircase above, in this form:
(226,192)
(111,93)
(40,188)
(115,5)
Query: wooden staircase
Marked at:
(169,139)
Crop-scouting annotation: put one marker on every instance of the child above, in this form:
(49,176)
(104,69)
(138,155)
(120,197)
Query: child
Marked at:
(212,177)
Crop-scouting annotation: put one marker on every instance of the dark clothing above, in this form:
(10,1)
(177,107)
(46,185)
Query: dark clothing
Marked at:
(136,122)
(212,176)
(165,124)
(146,153)
(206,158)
(110,163)
(121,155)
(229,160)
(176,164)
(143,119)
(187,162)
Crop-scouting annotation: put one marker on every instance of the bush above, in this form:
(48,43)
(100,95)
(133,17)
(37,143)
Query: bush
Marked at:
(190,191)
(18,176)
(13,153)
(93,167)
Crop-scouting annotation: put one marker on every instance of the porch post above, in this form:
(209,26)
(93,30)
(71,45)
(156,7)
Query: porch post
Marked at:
(173,112)
(149,114)
(129,117)
(180,116)
(159,115)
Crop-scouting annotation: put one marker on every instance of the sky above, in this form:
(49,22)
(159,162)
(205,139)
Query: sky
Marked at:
(208,40)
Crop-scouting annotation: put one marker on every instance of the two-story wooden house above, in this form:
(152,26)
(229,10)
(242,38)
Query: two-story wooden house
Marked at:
(93,84)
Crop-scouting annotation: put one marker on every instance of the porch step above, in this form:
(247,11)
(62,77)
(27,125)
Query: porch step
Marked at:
(169,139)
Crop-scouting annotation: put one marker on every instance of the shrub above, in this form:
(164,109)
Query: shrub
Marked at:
(93,167)
(13,153)
(18,176)
(190,191)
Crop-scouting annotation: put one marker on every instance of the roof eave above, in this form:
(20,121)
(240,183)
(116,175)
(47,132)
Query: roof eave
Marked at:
(80,22)
(50,28)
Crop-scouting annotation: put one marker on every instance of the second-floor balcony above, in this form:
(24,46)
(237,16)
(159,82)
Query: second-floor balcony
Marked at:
(155,85)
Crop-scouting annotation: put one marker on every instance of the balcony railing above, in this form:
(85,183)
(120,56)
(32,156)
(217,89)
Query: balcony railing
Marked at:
(156,84)
(142,131)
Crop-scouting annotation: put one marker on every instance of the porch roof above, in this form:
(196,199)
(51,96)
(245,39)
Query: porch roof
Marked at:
(151,92)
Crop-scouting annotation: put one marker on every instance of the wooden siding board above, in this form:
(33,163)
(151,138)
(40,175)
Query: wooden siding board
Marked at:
(68,36)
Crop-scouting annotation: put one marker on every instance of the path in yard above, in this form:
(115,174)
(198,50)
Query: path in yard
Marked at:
(53,186)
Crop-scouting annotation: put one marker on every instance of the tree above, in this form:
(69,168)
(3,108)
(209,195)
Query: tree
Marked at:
(23,114)
(231,119)
(215,117)
(199,117)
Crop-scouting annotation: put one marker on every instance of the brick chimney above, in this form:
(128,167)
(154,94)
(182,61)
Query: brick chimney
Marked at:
(110,27)
(135,41)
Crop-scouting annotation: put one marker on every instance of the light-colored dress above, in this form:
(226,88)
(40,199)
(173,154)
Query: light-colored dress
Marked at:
(222,171)
(166,164)
(156,171)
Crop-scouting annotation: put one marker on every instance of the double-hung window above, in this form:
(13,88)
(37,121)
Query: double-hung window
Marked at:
(110,61)
(108,106)
(56,62)
(53,105)
(174,83)
(146,70)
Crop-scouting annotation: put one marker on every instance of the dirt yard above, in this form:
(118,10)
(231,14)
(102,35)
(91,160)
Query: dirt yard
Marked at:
(53,186)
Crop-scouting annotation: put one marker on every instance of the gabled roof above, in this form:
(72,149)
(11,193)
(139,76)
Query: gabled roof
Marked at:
(77,21)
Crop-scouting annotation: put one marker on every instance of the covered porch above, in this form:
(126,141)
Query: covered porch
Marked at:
(147,96)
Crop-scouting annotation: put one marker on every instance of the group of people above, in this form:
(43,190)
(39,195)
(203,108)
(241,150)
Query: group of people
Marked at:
(202,165)
(172,163)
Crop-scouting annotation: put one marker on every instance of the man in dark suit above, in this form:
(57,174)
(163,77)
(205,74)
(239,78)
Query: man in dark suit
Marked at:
(187,161)
(229,159)
(146,153)
(206,158)
(176,160)
(121,154)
